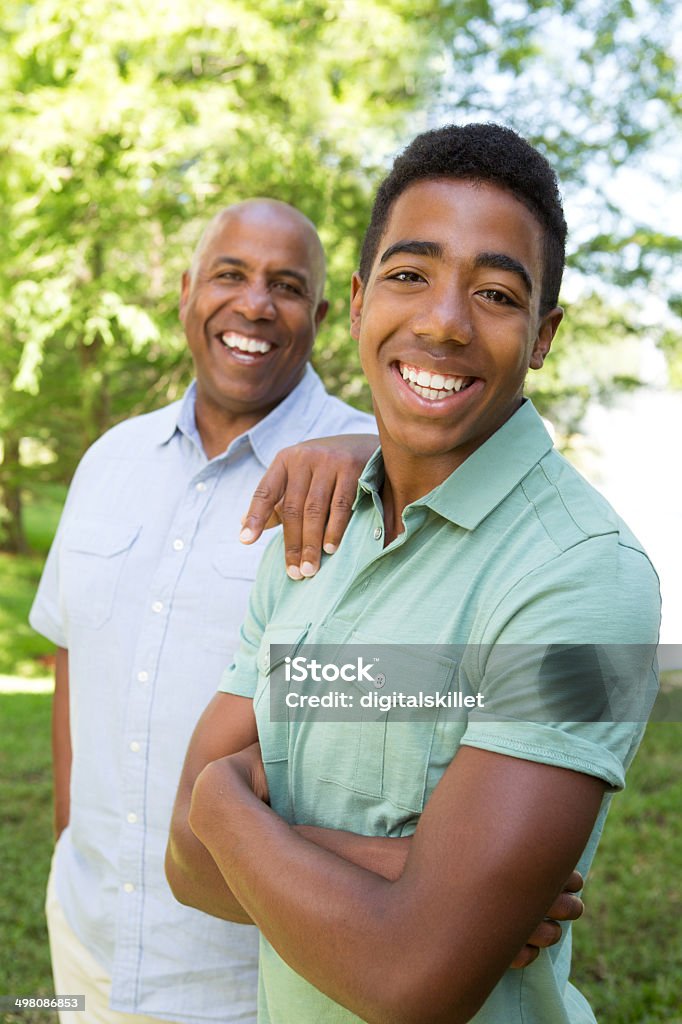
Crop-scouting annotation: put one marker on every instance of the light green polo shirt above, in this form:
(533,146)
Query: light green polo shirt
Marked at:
(514,560)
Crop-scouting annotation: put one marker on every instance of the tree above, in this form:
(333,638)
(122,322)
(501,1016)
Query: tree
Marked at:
(127,124)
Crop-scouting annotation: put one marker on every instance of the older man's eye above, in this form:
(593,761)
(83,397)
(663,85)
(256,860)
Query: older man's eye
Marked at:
(288,286)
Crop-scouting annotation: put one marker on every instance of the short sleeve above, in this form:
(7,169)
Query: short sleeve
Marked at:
(569,676)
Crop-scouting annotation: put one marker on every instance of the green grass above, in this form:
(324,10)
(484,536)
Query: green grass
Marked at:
(628,950)
(25,848)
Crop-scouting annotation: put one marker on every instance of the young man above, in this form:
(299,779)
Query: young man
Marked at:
(482,562)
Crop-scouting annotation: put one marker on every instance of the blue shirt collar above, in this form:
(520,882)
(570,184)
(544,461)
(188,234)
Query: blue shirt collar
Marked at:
(293,417)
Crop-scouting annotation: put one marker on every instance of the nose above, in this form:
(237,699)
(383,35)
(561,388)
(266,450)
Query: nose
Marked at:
(444,315)
(254,301)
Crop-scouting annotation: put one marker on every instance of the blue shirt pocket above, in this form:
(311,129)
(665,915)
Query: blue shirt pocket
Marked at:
(92,555)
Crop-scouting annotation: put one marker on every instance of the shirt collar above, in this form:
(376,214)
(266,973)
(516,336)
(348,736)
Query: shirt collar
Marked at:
(291,420)
(177,416)
(482,482)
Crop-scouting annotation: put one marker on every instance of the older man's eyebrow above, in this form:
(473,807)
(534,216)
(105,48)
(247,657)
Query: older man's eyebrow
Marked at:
(501,261)
(413,247)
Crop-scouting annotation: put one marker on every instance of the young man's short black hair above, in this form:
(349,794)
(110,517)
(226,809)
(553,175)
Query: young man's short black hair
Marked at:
(487,153)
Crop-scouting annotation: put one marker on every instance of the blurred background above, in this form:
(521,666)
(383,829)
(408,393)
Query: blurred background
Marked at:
(125,124)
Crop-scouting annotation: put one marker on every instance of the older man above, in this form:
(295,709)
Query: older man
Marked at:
(143,592)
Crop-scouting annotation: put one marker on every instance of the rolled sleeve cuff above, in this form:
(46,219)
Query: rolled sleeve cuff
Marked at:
(548,744)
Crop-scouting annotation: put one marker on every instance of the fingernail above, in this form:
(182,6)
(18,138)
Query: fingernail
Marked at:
(246,535)
(308,569)
(294,573)
(329,548)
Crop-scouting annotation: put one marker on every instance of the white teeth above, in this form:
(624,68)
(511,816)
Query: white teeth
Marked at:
(429,393)
(432,385)
(243,344)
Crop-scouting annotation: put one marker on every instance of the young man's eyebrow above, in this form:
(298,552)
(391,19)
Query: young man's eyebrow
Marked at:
(413,248)
(234,261)
(500,261)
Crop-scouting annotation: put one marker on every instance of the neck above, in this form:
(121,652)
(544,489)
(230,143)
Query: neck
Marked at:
(406,481)
(219,427)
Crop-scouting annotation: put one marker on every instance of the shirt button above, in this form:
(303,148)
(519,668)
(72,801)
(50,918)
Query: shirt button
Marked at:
(157,606)
(178,544)
(131,818)
(134,746)
(201,486)
(378,533)
(128,887)
(142,676)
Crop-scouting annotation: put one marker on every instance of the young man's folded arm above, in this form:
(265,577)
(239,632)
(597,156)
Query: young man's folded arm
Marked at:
(225,727)
(386,949)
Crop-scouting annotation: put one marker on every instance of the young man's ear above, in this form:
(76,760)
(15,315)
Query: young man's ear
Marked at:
(546,331)
(184,294)
(357,293)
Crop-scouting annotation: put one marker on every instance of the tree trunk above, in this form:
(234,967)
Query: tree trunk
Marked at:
(13,537)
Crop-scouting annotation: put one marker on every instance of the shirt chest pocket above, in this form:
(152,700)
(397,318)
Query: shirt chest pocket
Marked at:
(385,754)
(92,559)
(224,595)
(277,644)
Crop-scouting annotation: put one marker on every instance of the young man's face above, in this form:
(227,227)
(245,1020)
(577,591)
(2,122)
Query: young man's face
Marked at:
(448,322)
(251,307)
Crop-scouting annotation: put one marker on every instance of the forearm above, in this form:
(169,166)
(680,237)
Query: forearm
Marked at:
(195,879)
(386,949)
(330,919)
(61,742)
(383,855)
(227,725)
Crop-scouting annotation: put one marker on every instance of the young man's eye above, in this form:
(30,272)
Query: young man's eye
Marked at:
(493,295)
(410,276)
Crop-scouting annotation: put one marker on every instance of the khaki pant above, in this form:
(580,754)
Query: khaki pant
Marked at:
(76,972)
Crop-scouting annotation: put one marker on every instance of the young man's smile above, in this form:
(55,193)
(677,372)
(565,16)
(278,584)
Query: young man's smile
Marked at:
(449,321)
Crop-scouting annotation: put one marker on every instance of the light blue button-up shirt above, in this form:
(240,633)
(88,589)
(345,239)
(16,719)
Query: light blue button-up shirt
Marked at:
(146,585)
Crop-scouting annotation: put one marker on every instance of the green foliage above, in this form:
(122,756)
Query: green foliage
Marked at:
(124,125)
